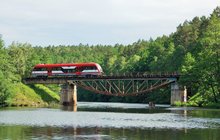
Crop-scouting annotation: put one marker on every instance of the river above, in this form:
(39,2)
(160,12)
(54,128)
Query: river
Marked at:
(110,121)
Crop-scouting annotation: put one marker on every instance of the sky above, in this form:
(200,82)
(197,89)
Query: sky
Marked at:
(106,22)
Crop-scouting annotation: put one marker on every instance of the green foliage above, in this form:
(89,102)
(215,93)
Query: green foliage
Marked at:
(178,103)
(212,105)
(4,89)
(188,63)
(5,77)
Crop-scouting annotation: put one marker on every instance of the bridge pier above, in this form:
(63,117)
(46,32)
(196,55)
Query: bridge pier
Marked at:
(178,94)
(68,95)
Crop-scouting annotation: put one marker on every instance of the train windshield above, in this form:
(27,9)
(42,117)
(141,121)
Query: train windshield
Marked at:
(99,67)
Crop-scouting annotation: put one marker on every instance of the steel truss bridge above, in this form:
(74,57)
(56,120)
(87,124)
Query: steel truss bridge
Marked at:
(115,85)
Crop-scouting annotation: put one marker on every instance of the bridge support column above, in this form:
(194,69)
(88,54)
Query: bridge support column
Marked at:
(178,94)
(68,95)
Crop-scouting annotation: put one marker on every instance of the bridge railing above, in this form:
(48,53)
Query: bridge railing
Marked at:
(146,74)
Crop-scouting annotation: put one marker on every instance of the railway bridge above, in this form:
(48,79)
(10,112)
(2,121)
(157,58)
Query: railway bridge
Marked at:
(114,85)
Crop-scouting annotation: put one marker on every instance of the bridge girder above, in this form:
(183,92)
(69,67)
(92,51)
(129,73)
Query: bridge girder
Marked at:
(111,85)
(129,87)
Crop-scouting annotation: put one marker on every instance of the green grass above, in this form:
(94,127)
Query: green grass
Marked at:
(22,95)
(34,95)
(45,93)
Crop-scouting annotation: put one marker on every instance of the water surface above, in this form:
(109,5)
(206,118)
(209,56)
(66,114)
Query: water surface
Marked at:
(110,121)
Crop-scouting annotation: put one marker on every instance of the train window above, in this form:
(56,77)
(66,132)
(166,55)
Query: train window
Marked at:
(94,68)
(70,70)
(90,68)
(57,69)
(40,69)
(100,68)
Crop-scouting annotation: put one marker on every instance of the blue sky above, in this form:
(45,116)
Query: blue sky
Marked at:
(70,22)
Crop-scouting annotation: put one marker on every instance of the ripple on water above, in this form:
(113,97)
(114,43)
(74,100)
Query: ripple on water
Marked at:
(51,117)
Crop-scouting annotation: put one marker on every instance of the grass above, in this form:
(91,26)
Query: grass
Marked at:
(22,95)
(35,95)
(45,93)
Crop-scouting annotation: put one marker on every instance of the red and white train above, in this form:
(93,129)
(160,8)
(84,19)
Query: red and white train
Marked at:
(70,69)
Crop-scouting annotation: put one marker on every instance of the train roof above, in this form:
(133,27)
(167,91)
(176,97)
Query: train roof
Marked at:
(66,64)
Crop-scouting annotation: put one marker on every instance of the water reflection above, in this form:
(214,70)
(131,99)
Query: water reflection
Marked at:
(104,121)
(99,133)
(69,108)
(116,107)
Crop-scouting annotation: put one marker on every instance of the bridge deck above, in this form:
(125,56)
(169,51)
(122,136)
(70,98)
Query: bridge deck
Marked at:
(63,80)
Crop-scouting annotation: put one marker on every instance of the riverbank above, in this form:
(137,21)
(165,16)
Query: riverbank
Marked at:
(34,95)
(196,104)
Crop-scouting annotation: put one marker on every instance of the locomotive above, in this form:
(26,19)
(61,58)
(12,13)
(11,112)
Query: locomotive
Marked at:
(67,69)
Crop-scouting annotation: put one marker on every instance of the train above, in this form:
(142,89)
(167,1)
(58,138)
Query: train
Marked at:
(90,69)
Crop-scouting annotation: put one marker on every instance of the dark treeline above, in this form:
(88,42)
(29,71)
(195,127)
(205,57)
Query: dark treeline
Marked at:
(193,50)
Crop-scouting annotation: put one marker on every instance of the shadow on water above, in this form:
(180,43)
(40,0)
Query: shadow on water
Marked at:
(116,107)
(119,110)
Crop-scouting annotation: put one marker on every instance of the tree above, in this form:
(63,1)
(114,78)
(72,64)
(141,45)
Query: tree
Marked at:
(4,73)
(209,59)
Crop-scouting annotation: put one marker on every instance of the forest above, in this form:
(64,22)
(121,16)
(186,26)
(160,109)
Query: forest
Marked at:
(192,50)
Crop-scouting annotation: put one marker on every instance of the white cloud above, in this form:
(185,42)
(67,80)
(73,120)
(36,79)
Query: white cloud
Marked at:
(41,22)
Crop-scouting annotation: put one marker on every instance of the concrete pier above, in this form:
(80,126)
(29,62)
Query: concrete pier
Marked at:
(178,94)
(68,95)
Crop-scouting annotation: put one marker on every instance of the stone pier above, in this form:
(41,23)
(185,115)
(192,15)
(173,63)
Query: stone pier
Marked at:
(178,94)
(68,95)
